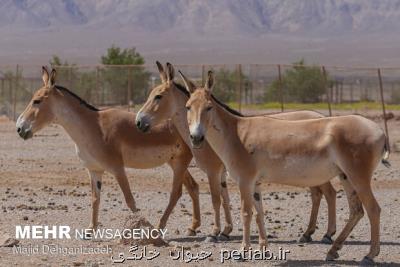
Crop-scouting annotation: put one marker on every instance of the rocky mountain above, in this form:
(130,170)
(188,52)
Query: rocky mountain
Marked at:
(244,17)
(206,25)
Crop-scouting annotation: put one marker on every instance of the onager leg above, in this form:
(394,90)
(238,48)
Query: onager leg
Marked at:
(175,194)
(246,194)
(193,189)
(356,213)
(214,179)
(227,208)
(95,181)
(257,198)
(123,183)
(330,196)
(373,210)
(316,195)
(182,176)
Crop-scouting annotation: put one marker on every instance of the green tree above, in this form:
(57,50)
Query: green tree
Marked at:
(301,83)
(122,82)
(227,83)
(69,75)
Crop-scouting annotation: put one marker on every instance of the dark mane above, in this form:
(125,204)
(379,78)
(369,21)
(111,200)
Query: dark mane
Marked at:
(81,101)
(182,89)
(226,107)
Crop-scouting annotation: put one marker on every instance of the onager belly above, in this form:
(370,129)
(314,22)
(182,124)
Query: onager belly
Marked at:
(300,171)
(149,157)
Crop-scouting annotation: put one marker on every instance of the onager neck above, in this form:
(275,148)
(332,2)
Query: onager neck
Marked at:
(74,117)
(179,117)
(222,131)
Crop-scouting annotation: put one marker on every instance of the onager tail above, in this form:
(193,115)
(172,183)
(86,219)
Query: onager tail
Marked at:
(386,153)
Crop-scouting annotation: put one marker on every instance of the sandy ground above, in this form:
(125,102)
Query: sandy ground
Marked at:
(43,183)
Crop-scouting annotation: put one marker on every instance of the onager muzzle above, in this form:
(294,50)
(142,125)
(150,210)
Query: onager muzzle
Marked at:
(142,122)
(24,129)
(197,137)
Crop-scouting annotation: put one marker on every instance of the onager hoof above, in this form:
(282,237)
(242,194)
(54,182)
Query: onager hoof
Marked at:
(331,256)
(190,232)
(367,261)
(88,235)
(211,239)
(240,258)
(134,210)
(223,237)
(305,239)
(326,239)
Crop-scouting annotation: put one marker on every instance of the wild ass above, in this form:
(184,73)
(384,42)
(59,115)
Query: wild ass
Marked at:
(300,153)
(108,140)
(168,100)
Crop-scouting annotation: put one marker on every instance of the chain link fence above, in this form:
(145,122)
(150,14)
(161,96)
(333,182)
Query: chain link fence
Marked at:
(250,88)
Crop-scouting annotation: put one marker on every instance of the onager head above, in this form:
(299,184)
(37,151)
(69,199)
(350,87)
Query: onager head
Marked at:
(160,103)
(199,109)
(38,113)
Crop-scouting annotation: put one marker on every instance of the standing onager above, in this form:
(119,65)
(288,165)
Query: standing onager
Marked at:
(168,100)
(108,140)
(300,153)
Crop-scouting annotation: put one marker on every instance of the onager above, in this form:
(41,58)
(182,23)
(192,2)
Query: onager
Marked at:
(108,140)
(158,110)
(168,100)
(301,153)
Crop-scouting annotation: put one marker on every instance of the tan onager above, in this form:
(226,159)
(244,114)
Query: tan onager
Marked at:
(108,141)
(300,153)
(168,100)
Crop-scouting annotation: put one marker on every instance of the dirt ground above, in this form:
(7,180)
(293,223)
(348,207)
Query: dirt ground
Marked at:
(43,183)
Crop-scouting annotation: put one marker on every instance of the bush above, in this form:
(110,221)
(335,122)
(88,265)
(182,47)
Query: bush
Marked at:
(117,78)
(227,83)
(300,84)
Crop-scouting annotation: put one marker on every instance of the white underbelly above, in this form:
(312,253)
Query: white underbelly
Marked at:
(300,171)
(147,158)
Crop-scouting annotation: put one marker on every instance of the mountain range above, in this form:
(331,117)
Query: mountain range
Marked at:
(224,31)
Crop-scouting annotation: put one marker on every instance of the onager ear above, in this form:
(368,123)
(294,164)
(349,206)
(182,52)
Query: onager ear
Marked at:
(210,81)
(52,79)
(163,76)
(45,75)
(190,87)
(170,72)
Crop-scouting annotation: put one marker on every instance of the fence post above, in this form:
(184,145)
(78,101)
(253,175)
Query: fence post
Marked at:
(239,72)
(129,96)
(203,72)
(328,92)
(383,107)
(2,87)
(15,93)
(280,85)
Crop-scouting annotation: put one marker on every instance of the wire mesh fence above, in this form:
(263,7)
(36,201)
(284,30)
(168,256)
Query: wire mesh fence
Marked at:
(247,87)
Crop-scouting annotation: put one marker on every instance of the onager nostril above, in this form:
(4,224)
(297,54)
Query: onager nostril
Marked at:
(138,123)
(191,137)
(201,138)
(19,129)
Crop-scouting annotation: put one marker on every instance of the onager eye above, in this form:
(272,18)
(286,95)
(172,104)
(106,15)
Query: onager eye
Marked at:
(158,97)
(209,108)
(37,101)
(187,108)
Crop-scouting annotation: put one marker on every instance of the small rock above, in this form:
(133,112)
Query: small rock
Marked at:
(7,241)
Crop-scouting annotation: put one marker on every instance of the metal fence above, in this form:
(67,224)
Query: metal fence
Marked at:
(247,87)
